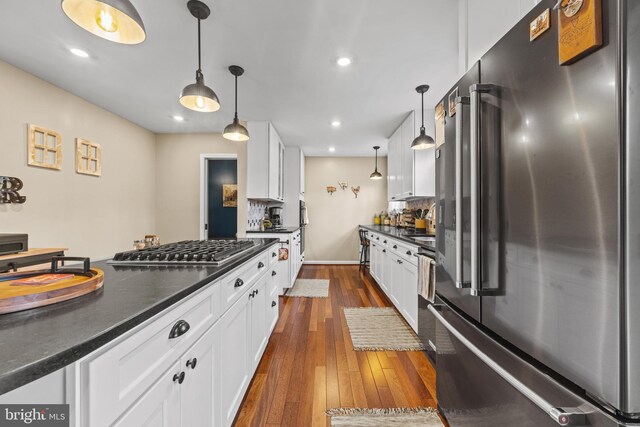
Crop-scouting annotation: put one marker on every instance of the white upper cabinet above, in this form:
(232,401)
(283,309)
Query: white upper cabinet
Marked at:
(408,135)
(265,163)
(411,173)
(302,159)
(394,165)
(293,185)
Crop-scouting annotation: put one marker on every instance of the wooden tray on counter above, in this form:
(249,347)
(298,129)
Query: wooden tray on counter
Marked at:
(17,297)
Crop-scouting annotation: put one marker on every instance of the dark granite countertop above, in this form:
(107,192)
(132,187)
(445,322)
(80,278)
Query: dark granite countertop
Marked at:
(34,343)
(282,230)
(408,235)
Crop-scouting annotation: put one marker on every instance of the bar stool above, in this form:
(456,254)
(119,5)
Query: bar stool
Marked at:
(364,249)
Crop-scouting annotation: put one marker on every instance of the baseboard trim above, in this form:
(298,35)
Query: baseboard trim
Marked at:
(332,262)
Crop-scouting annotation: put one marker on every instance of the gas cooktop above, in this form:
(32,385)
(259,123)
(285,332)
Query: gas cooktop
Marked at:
(188,252)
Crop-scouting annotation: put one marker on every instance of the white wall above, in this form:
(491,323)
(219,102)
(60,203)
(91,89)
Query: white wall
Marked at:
(332,233)
(482,23)
(92,216)
(178,182)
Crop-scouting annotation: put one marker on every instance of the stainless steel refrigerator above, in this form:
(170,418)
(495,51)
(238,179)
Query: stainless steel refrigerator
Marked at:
(538,234)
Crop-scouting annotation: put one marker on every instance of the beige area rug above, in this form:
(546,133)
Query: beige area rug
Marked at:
(405,417)
(310,288)
(380,328)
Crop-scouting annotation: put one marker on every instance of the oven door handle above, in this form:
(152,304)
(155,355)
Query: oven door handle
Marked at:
(562,416)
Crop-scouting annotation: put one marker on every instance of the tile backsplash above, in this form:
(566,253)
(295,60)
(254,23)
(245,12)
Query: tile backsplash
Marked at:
(255,214)
(422,203)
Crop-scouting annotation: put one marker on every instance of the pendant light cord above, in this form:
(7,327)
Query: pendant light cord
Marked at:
(199,49)
(422,127)
(376,160)
(236,112)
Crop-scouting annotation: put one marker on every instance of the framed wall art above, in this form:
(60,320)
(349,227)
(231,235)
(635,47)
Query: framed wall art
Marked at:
(88,157)
(44,148)
(229,196)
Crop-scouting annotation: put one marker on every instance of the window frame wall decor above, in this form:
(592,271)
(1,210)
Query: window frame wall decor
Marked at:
(80,157)
(33,147)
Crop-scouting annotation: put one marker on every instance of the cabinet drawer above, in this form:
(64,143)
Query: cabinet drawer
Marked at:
(115,377)
(238,282)
(406,252)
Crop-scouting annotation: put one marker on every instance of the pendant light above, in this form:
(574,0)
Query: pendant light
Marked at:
(423,140)
(376,174)
(235,131)
(114,20)
(198,96)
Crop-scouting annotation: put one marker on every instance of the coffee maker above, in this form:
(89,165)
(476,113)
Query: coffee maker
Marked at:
(275,214)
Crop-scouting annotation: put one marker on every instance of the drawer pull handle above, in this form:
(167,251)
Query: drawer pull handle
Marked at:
(385,242)
(384,250)
(192,363)
(179,378)
(238,283)
(395,246)
(260,264)
(273,254)
(273,304)
(409,253)
(180,328)
(256,291)
(273,273)
(399,262)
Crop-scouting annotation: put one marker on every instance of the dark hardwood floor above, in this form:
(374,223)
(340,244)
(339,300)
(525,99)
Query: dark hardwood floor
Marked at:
(309,365)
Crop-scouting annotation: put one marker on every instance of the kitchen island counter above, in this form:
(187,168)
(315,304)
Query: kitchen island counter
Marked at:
(34,343)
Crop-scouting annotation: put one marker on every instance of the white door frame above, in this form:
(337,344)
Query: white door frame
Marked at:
(203,186)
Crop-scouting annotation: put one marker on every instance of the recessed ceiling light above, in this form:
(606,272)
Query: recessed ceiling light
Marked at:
(343,62)
(178,118)
(336,123)
(332,149)
(79,52)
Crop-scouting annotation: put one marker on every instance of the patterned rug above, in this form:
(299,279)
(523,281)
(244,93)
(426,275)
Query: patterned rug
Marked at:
(376,329)
(310,288)
(401,417)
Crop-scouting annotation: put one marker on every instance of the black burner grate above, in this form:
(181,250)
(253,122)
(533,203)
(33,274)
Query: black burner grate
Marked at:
(210,252)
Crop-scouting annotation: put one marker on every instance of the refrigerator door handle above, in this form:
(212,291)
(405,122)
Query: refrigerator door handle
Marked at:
(476,91)
(562,416)
(460,102)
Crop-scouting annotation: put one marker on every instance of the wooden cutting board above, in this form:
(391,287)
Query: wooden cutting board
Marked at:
(17,297)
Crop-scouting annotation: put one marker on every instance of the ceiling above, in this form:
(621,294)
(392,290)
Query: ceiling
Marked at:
(288,48)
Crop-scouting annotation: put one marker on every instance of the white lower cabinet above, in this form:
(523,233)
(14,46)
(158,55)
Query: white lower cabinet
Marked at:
(288,269)
(394,266)
(236,358)
(409,285)
(259,325)
(188,366)
(199,390)
(186,394)
(159,406)
(273,308)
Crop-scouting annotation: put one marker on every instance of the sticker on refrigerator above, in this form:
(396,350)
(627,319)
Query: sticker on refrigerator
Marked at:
(440,117)
(539,25)
(452,102)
